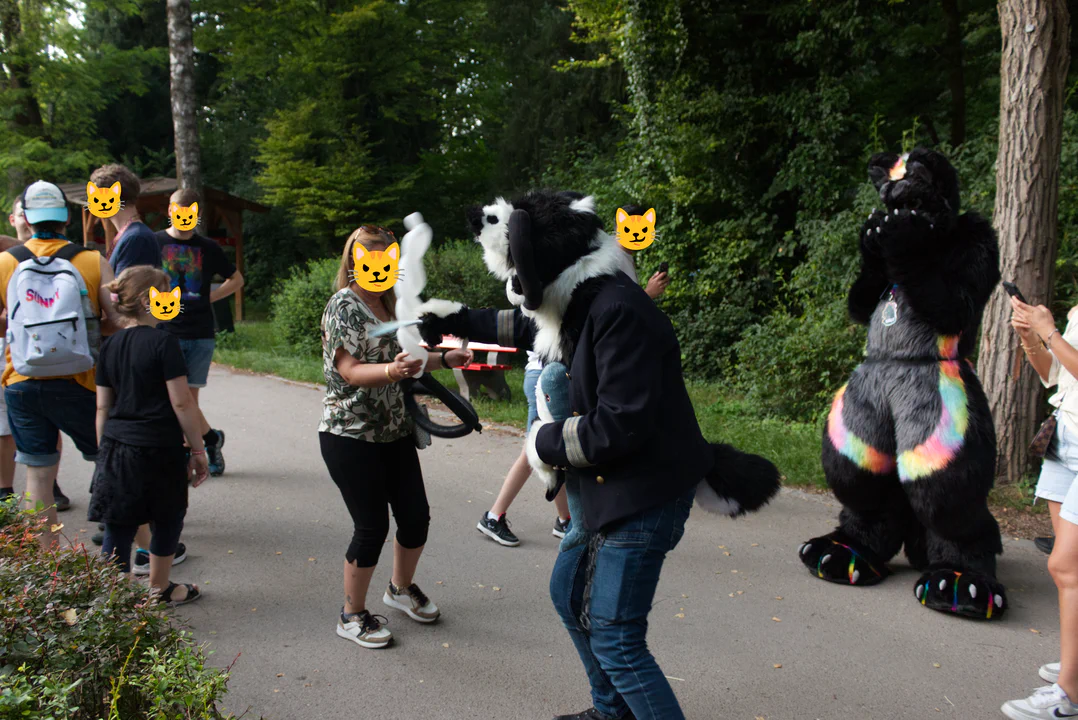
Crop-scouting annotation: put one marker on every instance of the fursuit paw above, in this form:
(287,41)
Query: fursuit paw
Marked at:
(901,232)
(969,594)
(545,472)
(838,561)
(441,317)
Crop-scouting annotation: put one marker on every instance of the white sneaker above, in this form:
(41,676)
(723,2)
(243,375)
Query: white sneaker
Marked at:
(1049,672)
(1046,703)
(412,601)
(364,629)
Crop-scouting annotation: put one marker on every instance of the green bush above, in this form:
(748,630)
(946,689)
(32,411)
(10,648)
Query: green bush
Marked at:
(790,366)
(298,302)
(80,642)
(456,271)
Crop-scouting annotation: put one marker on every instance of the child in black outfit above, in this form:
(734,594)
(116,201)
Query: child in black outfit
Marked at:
(144,412)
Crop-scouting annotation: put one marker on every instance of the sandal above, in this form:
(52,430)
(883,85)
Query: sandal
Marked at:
(193,594)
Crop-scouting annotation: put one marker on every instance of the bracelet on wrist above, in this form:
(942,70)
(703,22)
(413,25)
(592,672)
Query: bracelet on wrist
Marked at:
(198,452)
(445,363)
(389,376)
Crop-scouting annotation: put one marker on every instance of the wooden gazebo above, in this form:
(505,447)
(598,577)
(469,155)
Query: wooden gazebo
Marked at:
(220,217)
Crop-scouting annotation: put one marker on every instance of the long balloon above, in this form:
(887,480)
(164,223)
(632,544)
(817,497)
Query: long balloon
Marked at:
(413,278)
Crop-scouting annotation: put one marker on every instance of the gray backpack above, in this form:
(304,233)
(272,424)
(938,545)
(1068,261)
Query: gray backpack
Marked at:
(51,328)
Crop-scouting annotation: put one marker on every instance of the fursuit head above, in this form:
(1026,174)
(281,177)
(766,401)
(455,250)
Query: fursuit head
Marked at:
(546,246)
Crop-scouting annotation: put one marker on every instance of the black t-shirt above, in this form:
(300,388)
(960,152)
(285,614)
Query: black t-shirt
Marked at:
(192,264)
(136,363)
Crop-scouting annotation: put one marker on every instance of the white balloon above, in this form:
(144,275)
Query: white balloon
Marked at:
(413,279)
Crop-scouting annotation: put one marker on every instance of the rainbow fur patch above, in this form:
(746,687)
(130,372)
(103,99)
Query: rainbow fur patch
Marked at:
(939,449)
(852,447)
(948,346)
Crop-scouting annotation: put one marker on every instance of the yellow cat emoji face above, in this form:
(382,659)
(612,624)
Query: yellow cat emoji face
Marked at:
(165,305)
(375,270)
(636,232)
(103,202)
(183,218)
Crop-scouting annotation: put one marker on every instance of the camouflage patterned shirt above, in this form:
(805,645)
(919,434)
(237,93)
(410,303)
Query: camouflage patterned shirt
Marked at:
(371,414)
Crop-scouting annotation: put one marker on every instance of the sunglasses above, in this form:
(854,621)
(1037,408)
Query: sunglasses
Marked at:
(377,229)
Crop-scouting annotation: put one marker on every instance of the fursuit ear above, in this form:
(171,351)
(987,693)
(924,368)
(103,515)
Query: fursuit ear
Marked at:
(879,168)
(523,253)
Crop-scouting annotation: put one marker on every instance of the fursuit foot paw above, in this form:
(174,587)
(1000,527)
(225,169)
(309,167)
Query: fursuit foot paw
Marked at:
(969,594)
(837,560)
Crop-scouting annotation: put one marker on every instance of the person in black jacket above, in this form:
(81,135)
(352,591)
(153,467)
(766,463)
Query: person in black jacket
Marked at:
(632,450)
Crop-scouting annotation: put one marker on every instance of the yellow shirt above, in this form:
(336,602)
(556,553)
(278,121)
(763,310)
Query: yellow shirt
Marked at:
(88,263)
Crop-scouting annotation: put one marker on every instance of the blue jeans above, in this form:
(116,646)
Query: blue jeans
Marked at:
(39,410)
(531,379)
(613,645)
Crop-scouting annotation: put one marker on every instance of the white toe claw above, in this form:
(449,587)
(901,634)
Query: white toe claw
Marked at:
(943,584)
(999,601)
(972,590)
(856,576)
(824,559)
(920,590)
(803,549)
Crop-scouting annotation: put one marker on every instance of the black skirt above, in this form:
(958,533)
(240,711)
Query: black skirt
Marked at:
(135,485)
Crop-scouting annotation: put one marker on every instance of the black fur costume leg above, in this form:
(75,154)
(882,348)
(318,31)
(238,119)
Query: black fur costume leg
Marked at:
(861,472)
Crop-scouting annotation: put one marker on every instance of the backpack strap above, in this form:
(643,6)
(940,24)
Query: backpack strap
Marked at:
(68,251)
(21,253)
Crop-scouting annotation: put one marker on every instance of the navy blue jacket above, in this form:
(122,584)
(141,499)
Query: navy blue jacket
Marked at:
(633,442)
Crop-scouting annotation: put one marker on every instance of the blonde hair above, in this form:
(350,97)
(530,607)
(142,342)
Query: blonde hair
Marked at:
(132,288)
(376,240)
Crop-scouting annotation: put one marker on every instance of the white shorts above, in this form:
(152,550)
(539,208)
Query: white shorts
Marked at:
(1059,470)
(5,428)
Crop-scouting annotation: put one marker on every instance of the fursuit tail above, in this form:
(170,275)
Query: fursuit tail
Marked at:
(738,483)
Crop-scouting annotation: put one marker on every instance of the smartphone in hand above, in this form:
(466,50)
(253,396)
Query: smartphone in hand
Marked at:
(1014,292)
(663,267)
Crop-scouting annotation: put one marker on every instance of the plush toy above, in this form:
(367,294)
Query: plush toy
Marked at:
(909,447)
(552,405)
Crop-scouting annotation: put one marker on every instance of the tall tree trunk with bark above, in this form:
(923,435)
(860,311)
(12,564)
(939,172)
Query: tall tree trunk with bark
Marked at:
(956,81)
(181,54)
(1036,56)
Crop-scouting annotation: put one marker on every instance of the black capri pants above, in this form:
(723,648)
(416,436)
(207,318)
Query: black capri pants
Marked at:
(371,475)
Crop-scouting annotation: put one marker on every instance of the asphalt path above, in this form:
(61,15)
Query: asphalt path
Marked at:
(739,625)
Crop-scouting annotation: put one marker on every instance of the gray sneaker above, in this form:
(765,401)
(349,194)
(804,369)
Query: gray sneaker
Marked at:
(1046,703)
(1049,672)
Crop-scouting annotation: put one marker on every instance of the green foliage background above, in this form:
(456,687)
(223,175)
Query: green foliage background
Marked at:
(746,125)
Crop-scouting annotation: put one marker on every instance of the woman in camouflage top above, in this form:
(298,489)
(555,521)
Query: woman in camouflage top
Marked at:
(368,444)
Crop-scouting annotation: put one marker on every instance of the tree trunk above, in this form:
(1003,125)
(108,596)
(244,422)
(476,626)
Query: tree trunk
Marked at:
(1033,72)
(181,54)
(956,81)
(27,115)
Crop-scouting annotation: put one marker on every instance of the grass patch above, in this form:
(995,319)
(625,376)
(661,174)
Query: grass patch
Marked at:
(254,346)
(794,447)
